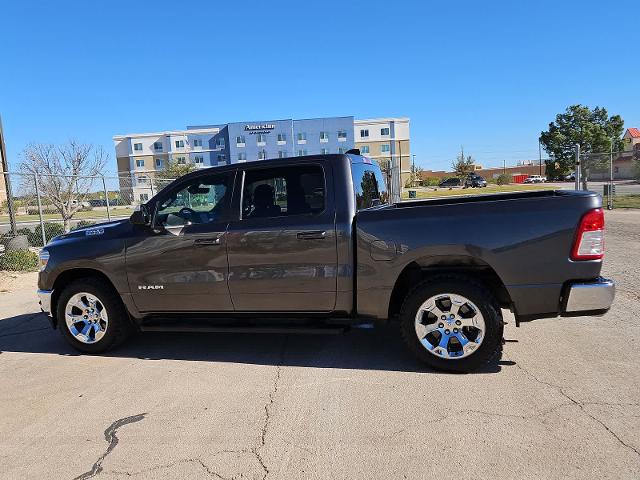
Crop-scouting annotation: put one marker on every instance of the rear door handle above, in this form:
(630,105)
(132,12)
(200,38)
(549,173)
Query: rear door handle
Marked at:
(312,235)
(201,242)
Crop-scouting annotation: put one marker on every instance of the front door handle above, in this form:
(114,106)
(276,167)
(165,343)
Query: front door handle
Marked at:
(312,235)
(201,242)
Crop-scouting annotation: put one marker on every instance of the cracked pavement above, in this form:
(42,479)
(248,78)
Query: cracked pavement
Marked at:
(563,402)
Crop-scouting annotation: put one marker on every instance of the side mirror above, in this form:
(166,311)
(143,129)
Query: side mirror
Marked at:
(141,216)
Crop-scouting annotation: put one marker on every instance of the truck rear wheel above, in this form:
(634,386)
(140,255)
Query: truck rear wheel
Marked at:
(452,323)
(91,316)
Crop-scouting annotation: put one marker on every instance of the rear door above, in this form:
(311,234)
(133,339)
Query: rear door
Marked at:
(282,247)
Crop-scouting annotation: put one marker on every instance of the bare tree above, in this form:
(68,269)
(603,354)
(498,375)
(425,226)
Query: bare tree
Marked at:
(66,173)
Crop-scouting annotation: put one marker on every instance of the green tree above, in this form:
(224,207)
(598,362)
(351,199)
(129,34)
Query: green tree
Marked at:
(175,170)
(594,130)
(463,166)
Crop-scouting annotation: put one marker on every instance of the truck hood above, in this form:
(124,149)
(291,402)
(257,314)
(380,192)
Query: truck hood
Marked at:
(94,232)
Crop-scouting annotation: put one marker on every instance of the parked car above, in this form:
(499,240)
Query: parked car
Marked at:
(314,240)
(571,177)
(474,180)
(535,179)
(450,182)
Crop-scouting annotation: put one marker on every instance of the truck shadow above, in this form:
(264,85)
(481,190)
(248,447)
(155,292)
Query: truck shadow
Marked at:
(365,349)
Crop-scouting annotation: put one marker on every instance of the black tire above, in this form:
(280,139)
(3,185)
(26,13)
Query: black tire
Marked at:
(491,345)
(118,326)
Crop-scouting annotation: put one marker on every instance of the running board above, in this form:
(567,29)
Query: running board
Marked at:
(332,330)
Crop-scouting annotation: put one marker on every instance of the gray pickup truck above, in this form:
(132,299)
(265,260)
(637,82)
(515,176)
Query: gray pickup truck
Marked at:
(313,241)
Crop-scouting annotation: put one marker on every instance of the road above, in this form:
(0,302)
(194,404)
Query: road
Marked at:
(563,402)
(623,187)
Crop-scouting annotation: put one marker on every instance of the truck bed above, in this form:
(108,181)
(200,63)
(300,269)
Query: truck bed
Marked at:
(523,238)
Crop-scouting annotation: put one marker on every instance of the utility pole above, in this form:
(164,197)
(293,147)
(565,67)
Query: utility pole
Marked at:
(610,196)
(7,181)
(577,167)
(540,156)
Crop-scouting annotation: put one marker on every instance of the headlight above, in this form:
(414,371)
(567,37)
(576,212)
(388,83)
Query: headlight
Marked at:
(43,259)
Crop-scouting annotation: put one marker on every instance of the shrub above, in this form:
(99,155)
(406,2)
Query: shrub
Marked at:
(504,179)
(431,181)
(19,260)
(83,224)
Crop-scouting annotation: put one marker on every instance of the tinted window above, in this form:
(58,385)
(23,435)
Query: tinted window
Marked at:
(369,185)
(275,192)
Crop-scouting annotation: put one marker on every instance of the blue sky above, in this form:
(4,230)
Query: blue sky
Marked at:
(486,75)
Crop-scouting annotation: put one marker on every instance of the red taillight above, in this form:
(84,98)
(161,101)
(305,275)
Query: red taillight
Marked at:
(589,241)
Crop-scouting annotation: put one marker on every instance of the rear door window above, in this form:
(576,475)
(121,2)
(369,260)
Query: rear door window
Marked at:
(277,192)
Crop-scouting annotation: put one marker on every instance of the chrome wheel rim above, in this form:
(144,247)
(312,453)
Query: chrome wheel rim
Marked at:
(450,326)
(86,317)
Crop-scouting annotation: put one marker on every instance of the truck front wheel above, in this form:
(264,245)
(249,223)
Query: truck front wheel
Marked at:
(452,323)
(91,316)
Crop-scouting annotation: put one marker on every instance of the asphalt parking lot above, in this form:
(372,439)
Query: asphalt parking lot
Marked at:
(562,402)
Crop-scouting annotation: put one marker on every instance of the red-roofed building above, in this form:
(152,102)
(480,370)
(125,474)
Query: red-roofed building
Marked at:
(633,132)
(624,167)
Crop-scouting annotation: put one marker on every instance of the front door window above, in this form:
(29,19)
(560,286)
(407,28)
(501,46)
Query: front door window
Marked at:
(203,200)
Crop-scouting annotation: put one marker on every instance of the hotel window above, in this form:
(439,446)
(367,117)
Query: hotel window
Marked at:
(262,155)
(261,138)
(181,160)
(221,157)
(324,151)
(302,137)
(144,197)
(364,149)
(159,163)
(197,142)
(220,142)
(242,157)
(240,140)
(140,163)
(137,147)
(324,136)
(282,137)
(142,179)
(342,135)
(179,143)
(385,147)
(302,153)
(384,131)
(282,154)
(341,150)
(364,133)
(157,146)
(198,160)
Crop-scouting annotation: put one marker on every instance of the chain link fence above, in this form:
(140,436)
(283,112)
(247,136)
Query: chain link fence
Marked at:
(43,206)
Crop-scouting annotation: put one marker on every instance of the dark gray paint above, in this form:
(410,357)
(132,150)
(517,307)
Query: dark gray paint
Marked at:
(262,265)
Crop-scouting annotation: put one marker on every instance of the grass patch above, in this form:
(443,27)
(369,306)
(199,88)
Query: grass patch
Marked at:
(445,192)
(625,201)
(98,214)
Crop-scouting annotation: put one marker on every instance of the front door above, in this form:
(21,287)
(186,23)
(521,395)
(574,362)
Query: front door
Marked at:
(282,248)
(181,264)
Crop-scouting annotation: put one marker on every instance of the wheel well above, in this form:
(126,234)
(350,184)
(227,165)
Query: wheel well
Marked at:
(69,276)
(418,271)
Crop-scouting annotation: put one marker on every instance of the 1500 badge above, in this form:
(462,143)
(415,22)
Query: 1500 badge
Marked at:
(150,287)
